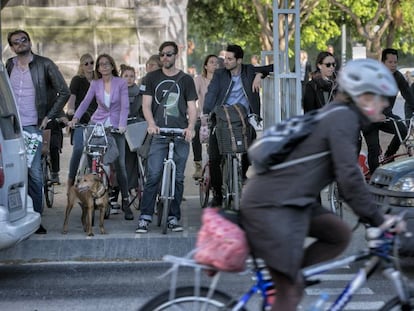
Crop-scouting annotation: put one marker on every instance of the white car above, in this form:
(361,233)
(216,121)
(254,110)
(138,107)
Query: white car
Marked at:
(18,220)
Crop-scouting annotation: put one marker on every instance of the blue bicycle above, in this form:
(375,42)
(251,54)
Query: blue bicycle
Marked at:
(381,254)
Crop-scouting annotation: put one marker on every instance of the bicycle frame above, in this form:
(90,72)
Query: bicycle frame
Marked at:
(378,254)
(262,285)
(169,170)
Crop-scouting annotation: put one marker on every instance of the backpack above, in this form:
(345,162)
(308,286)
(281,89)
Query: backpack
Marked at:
(233,131)
(270,151)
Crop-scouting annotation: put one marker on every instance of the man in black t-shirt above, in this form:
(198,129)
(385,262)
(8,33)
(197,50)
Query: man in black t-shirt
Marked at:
(177,110)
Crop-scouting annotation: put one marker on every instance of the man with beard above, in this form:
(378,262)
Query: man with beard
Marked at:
(233,84)
(33,78)
(168,101)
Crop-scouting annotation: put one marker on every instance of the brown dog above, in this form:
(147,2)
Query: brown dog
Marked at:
(90,191)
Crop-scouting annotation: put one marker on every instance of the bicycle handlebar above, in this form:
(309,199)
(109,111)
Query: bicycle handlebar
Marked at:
(111,129)
(171,131)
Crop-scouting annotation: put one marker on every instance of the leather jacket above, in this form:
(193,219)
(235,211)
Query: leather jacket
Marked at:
(52,92)
(219,87)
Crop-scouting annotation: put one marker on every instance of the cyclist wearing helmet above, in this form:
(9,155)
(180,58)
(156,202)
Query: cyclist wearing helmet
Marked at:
(364,86)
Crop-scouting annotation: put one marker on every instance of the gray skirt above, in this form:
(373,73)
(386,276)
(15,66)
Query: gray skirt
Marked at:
(277,233)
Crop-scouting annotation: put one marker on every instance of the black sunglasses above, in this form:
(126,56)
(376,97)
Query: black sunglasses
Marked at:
(168,54)
(329,65)
(89,63)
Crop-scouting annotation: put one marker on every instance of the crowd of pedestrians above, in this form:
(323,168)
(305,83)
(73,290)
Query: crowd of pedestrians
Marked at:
(99,92)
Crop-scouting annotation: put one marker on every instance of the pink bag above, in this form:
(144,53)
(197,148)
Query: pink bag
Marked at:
(221,243)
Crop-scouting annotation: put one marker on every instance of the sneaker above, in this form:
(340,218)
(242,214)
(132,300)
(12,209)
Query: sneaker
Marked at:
(115,208)
(174,226)
(54,178)
(142,226)
(216,201)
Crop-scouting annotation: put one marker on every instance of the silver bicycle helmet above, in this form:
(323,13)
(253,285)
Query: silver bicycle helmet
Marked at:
(367,76)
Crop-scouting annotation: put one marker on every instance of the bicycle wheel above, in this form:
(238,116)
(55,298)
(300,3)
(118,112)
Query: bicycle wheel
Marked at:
(159,207)
(204,186)
(185,299)
(394,304)
(166,198)
(227,176)
(236,183)
(136,202)
(335,200)
(106,184)
(48,187)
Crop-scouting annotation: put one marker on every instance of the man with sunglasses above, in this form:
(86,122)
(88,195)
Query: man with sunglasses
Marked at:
(168,100)
(41,93)
(389,58)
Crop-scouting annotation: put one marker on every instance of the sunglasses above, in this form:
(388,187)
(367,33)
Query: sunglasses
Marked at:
(168,54)
(329,65)
(21,40)
(89,63)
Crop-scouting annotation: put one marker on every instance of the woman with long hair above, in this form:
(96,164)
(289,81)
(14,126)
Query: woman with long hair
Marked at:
(111,94)
(79,86)
(320,89)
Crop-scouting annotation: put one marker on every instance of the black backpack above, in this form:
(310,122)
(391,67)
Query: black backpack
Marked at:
(270,151)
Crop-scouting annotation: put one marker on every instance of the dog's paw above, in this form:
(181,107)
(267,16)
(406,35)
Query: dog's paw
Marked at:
(64,231)
(90,234)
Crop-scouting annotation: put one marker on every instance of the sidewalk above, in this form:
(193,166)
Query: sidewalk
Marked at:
(119,243)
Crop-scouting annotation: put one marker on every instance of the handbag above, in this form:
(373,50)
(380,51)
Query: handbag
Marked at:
(135,134)
(221,243)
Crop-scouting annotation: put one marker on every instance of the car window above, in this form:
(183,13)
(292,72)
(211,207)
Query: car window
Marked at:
(9,117)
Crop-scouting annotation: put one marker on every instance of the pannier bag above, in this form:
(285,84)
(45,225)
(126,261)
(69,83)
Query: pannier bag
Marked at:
(221,243)
(232,129)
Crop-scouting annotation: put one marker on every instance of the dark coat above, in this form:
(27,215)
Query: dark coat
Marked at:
(313,96)
(277,206)
(46,77)
(219,87)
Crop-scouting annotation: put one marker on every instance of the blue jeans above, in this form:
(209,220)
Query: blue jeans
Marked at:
(76,152)
(158,151)
(35,180)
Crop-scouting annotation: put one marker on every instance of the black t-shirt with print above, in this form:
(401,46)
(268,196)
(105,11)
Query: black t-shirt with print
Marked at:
(174,111)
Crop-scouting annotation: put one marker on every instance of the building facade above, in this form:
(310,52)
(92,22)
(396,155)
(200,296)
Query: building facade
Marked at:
(128,30)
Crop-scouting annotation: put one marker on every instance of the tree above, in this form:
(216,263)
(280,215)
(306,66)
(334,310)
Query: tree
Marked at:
(380,23)
(374,23)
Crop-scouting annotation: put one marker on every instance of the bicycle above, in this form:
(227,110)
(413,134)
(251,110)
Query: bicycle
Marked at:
(135,136)
(139,190)
(232,180)
(334,197)
(381,253)
(203,183)
(167,190)
(48,186)
(96,144)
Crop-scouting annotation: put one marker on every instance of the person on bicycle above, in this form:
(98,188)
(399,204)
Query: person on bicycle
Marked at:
(235,83)
(111,94)
(168,101)
(277,225)
(371,133)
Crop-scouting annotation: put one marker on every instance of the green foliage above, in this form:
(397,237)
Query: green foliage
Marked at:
(214,23)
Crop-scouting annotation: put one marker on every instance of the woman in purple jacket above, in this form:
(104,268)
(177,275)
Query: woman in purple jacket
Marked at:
(111,94)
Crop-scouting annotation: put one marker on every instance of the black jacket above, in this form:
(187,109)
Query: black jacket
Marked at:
(313,96)
(47,80)
(219,87)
